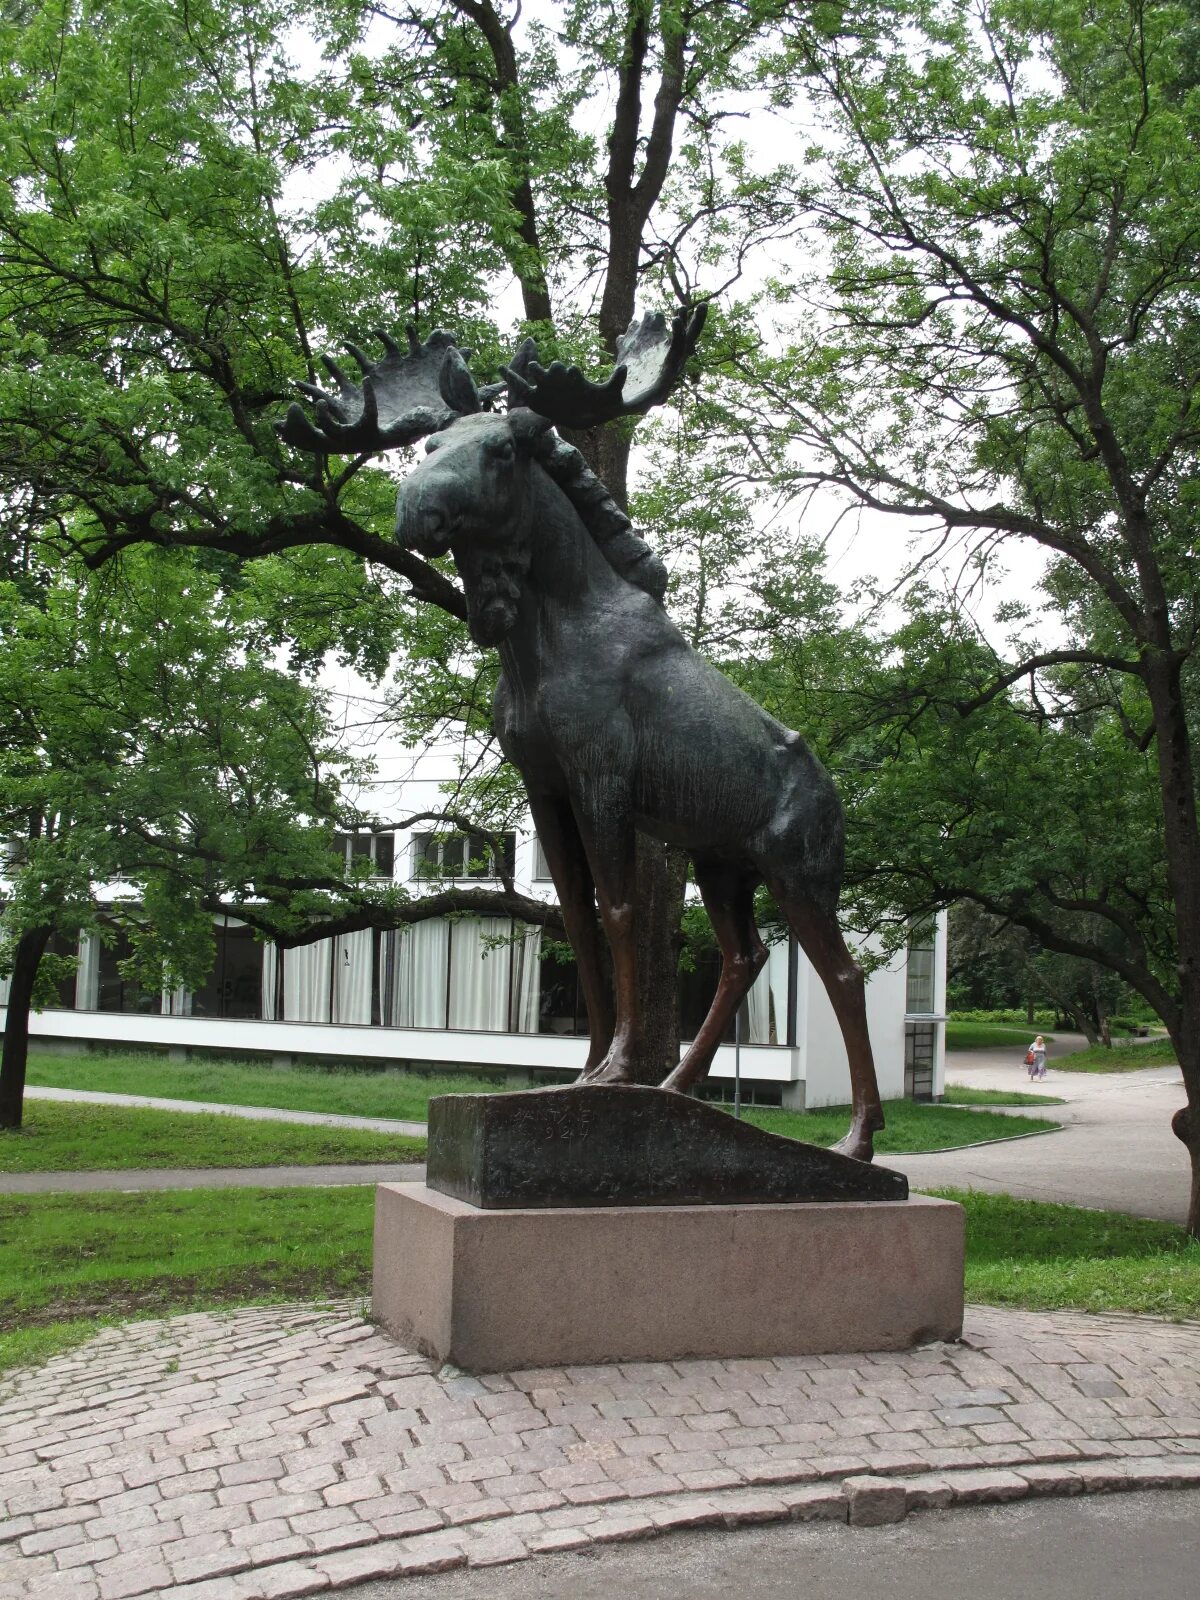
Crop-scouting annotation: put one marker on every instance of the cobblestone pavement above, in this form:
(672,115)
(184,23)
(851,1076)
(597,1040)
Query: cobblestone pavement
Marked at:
(284,1451)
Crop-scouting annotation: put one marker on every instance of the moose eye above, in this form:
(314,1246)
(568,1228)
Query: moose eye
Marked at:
(503,451)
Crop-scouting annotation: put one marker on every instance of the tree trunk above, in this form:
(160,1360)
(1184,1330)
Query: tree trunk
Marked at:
(28,957)
(1181,839)
(662,877)
(1185,1125)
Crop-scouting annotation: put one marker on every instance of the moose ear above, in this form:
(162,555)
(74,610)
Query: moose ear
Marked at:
(456,384)
(527,426)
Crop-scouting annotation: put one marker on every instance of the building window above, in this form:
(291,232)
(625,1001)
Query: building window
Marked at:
(459,855)
(541,867)
(114,991)
(922,951)
(377,848)
(472,974)
(233,987)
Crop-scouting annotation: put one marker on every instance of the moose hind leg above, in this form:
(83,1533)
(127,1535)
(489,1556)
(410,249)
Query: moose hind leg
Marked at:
(822,942)
(565,856)
(728,894)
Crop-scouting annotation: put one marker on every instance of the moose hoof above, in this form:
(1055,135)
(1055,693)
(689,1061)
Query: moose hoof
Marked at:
(610,1071)
(857,1143)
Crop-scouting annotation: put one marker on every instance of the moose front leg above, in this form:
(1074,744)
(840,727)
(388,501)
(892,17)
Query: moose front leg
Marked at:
(567,860)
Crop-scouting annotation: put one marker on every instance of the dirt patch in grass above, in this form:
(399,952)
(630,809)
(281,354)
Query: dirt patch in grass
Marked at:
(171,1296)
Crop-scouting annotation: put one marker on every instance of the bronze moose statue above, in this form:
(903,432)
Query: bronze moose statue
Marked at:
(612,719)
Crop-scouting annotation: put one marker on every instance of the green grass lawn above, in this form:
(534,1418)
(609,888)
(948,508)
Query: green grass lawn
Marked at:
(958,1094)
(1121,1058)
(60,1137)
(909,1127)
(990,1036)
(345,1090)
(70,1263)
(1046,1257)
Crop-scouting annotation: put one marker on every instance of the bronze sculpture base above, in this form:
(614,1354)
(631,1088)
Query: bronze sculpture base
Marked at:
(607,1145)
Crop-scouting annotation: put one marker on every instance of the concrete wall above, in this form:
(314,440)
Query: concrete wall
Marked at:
(425,1047)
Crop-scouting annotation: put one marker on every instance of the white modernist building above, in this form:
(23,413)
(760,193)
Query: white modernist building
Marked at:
(477,993)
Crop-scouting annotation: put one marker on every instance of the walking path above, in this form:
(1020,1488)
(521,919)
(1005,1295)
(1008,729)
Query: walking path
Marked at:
(209,1178)
(313,1119)
(288,1450)
(1116,1153)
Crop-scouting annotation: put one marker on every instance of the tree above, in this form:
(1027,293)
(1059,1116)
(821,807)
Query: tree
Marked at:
(162,285)
(1003,346)
(995,964)
(155,770)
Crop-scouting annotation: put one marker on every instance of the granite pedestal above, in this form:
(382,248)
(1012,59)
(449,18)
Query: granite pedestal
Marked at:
(498,1290)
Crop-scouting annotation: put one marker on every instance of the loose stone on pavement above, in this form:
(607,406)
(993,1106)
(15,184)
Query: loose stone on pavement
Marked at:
(289,1450)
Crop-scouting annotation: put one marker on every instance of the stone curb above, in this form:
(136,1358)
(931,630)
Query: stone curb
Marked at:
(978,1144)
(864,1500)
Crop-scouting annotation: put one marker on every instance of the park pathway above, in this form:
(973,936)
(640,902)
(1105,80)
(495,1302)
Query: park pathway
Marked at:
(145,1102)
(209,1178)
(1116,1153)
(290,1450)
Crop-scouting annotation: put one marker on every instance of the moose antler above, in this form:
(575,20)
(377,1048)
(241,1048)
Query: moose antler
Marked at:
(402,397)
(650,361)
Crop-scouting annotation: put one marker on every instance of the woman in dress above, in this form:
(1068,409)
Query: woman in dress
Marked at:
(1035,1058)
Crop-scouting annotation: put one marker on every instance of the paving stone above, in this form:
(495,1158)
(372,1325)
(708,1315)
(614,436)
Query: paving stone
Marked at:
(1049,1478)
(969,1486)
(621,1527)
(811,1502)
(125,1576)
(552,1540)
(872,1501)
(927,1491)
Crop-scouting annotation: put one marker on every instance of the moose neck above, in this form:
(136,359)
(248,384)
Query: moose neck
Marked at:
(567,576)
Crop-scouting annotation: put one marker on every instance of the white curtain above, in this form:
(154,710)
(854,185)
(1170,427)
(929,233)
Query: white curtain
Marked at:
(3,991)
(758,1004)
(479,974)
(352,977)
(177,1002)
(306,971)
(87,974)
(270,980)
(526,981)
(419,992)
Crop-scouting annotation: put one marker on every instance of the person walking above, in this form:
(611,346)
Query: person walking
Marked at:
(1035,1058)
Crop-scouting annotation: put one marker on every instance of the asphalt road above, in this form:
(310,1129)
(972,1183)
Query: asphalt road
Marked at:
(1105,1547)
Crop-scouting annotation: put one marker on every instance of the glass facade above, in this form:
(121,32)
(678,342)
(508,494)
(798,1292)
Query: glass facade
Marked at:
(922,957)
